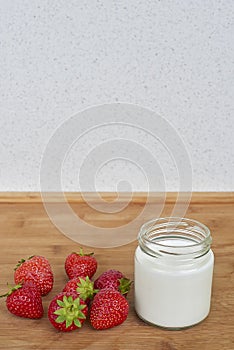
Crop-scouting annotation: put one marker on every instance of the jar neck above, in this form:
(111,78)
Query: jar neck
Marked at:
(177,239)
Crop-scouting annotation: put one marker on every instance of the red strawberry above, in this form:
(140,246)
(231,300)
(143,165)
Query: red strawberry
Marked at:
(25,301)
(67,311)
(80,265)
(37,270)
(109,309)
(113,279)
(82,286)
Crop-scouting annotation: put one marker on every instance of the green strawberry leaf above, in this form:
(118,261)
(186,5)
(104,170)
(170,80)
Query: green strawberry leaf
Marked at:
(60,319)
(124,285)
(60,303)
(77,323)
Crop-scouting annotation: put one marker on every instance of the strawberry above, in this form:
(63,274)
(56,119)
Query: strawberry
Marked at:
(37,270)
(80,265)
(113,279)
(67,311)
(109,309)
(25,301)
(83,287)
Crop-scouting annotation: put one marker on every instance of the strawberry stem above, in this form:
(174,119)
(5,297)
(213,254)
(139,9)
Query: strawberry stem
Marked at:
(12,289)
(85,288)
(81,253)
(70,311)
(20,262)
(124,285)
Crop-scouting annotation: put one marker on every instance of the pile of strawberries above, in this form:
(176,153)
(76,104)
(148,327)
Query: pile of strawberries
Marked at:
(103,301)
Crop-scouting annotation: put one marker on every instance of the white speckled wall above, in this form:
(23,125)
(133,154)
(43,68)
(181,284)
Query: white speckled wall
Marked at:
(174,57)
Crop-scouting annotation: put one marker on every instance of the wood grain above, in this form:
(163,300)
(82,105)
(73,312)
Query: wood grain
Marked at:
(25,229)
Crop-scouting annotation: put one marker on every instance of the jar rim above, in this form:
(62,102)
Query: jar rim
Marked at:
(188,230)
(175,219)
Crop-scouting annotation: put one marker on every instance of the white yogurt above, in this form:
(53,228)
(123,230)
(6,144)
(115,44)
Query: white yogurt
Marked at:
(172,290)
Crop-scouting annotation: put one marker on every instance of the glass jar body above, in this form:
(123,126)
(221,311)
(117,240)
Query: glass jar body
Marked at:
(171,292)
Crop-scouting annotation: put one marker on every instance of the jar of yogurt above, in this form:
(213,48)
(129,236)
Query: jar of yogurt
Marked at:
(173,272)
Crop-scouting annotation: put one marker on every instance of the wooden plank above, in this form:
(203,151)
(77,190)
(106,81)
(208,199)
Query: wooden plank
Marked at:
(138,197)
(25,229)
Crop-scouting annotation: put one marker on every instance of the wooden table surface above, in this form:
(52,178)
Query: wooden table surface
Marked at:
(25,229)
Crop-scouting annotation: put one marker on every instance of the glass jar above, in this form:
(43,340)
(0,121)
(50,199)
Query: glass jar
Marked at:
(173,272)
